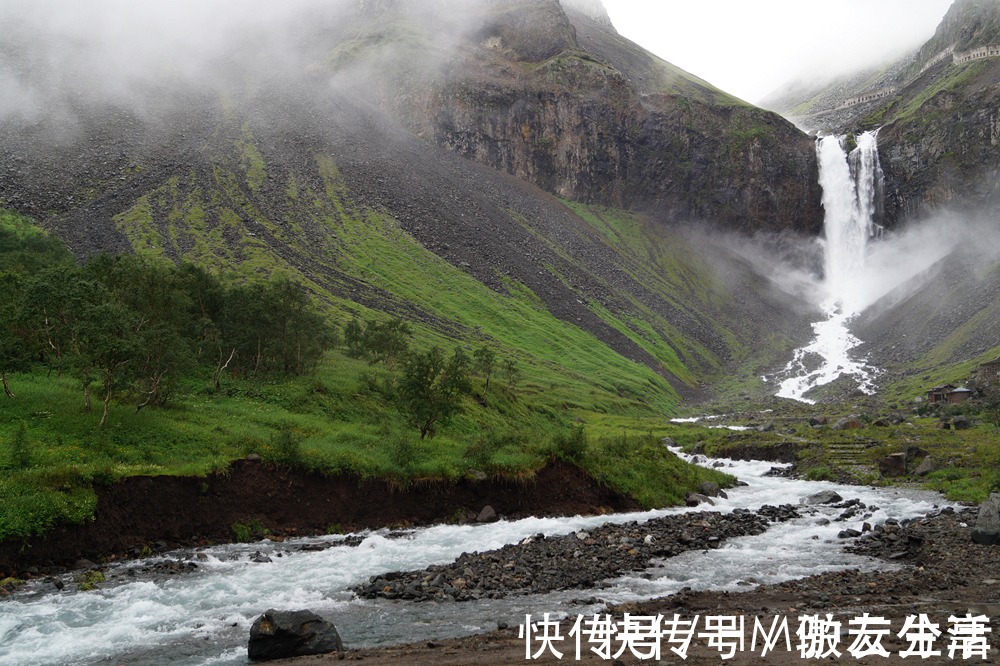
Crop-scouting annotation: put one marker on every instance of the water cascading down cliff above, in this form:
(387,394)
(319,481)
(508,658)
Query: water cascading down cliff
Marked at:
(852,201)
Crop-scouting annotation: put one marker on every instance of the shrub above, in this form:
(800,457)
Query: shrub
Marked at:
(820,474)
(571,446)
(245,531)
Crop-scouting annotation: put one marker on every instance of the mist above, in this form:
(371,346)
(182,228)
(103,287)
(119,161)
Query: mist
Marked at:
(60,57)
(752,49)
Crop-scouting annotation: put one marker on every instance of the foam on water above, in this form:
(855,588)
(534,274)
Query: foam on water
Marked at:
(204,617)
(852,197)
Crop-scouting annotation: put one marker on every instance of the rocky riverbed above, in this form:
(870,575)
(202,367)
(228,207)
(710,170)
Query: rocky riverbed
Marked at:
(942,573)
(580,559)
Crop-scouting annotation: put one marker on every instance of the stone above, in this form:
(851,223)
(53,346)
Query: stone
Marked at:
(768,427)
(961,423)
(667,441)
(987,529)
(710,489)
(285,634)
(477,475)
(881,423)
(699,460)
(817,420)
(848,534)
(914,453)
(84,563)
(925,467)
(845,424)
(823,497)
(893,465)
(487,515)
(694,499)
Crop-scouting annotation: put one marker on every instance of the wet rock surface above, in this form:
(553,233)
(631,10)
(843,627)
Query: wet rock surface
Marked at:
(282,634)
(542,564)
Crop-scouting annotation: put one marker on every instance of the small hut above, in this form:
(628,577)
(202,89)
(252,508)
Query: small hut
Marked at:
(939,393)
(958,396)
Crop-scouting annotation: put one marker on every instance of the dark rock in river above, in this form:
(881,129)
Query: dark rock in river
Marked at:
(710,489)
(487,515)
(823,497)
(694,499)
(286,634)
(987,530)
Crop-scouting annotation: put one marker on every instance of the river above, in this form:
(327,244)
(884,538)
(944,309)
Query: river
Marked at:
(203,617)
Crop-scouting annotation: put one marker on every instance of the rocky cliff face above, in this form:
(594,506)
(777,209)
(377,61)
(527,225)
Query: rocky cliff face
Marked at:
(948,153)
(594,121)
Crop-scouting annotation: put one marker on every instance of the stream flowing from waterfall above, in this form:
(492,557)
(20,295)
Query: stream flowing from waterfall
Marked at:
(852,201)
(203,617)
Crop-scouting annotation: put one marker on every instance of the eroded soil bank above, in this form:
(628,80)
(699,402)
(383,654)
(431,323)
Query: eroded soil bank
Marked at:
(169,511)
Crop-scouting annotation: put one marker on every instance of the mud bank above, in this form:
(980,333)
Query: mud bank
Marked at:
(164,512)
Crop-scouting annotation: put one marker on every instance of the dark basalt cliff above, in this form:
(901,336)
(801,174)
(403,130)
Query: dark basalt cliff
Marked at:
(948,154)
(561,100)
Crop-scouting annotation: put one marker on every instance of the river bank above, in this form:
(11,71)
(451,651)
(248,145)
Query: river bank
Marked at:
(944,574)
(142,515)
(147,613)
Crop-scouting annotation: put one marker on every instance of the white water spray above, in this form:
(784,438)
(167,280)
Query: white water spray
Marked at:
(852,200)
(202,618)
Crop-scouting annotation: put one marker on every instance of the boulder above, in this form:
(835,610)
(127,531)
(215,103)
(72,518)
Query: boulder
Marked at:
(987,529)
(487,515)
(925,467)
(823,497)
(768,427)
(667,441)
(880,423)
(285,634)
(709,489)
(961,423)
(914,453)
(893,465)
(694,499)
(845,424)
(817,420)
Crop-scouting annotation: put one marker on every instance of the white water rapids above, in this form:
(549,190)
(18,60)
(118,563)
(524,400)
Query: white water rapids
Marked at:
(851,198)
(204,617)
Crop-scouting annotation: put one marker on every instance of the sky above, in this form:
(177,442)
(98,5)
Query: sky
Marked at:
(749,48)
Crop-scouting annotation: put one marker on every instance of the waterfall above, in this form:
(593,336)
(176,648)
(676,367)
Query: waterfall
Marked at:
(852,201)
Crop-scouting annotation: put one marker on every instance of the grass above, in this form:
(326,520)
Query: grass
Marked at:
(339,419)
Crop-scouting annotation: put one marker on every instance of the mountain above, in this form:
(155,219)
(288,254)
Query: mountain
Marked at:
(527,146)
(937,145)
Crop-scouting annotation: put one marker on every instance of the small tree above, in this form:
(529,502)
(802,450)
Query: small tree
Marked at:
(354,339)
(431,388)
(484,361)
(511,371)
(387,343)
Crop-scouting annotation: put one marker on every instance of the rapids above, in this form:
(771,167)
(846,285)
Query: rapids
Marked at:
(204,617)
